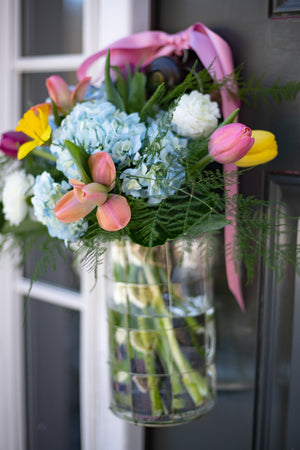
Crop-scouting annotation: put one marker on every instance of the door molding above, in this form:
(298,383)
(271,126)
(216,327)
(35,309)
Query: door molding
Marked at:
(278,332)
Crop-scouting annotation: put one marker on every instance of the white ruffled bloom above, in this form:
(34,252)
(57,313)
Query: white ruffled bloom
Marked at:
(17,188)
(195,115)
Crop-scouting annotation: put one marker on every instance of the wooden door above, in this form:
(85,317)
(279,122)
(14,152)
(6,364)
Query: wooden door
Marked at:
(258,361)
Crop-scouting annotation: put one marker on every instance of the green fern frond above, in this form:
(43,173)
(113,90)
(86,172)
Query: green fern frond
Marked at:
(252,90)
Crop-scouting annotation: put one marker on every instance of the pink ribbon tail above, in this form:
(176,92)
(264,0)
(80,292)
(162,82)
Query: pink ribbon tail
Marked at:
(215,54)
(233,278)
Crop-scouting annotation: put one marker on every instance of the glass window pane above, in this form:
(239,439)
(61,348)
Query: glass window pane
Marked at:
(64,274)
(51,27)
(35,92)
(52,377)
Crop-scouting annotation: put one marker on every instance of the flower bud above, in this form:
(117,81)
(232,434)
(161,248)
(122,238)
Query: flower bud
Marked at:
(230,143)
(263,150)
(69,209)
(59,92)
(11,141)
(102,169)
(114,214)
(94,193)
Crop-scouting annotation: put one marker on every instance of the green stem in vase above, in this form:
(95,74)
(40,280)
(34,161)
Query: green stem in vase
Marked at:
(193,381)
(149,360)
(145,299)
(177,388)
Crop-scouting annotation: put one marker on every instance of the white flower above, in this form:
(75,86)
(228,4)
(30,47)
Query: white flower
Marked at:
(195,115)
(17,188)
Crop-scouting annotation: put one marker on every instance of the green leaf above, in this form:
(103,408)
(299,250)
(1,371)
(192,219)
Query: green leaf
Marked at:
(155,98)
(136,92)
(2,217)
(58,119)
(80,158)
(122,86)
(112,92)
(230,118)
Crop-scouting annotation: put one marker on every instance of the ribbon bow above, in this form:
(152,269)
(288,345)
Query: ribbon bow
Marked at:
(215,55)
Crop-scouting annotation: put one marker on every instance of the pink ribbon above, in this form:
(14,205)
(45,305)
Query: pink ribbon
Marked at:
(215,55)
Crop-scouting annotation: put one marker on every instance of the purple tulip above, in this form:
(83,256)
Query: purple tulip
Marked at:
(11,141)
(230,143)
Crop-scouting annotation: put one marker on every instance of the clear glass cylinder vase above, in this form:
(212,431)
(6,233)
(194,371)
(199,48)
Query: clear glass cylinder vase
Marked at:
(161,332)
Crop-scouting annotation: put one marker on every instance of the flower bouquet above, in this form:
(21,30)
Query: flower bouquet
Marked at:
(145,163)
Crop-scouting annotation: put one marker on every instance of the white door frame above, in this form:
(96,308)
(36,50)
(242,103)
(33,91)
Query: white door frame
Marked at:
(99,428)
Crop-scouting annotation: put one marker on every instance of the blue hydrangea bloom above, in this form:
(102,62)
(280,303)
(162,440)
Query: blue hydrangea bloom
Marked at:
(98,126)
(46,193)
(158,174)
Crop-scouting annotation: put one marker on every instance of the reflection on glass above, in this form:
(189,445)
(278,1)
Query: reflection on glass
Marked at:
(52,377)
(51,27)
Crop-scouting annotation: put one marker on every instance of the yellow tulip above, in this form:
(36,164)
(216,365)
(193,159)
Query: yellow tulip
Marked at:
(262,151)
(36,127)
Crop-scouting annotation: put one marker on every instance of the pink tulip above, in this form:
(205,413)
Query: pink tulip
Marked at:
(230,143)
(11,141)
(113,211)
(61,94)
(114,214)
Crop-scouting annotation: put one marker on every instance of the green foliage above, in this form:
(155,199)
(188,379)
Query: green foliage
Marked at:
(57,118)
(136,96)
(80,157)
(112,92)
(2,219)
(197,207)
(36,165)
(251,91)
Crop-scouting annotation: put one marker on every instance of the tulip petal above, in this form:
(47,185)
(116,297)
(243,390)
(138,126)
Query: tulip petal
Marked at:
(68,209)
(230,143)
(102,169)
(264,149)
(11,142)
(77,185)
(59,92)
(94,193)
(80,90)
(114,214)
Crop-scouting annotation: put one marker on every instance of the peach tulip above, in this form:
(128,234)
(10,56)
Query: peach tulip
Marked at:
(114,214)
(113,211)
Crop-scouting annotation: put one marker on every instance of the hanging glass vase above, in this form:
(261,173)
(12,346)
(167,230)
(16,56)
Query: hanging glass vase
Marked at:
(161,332)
